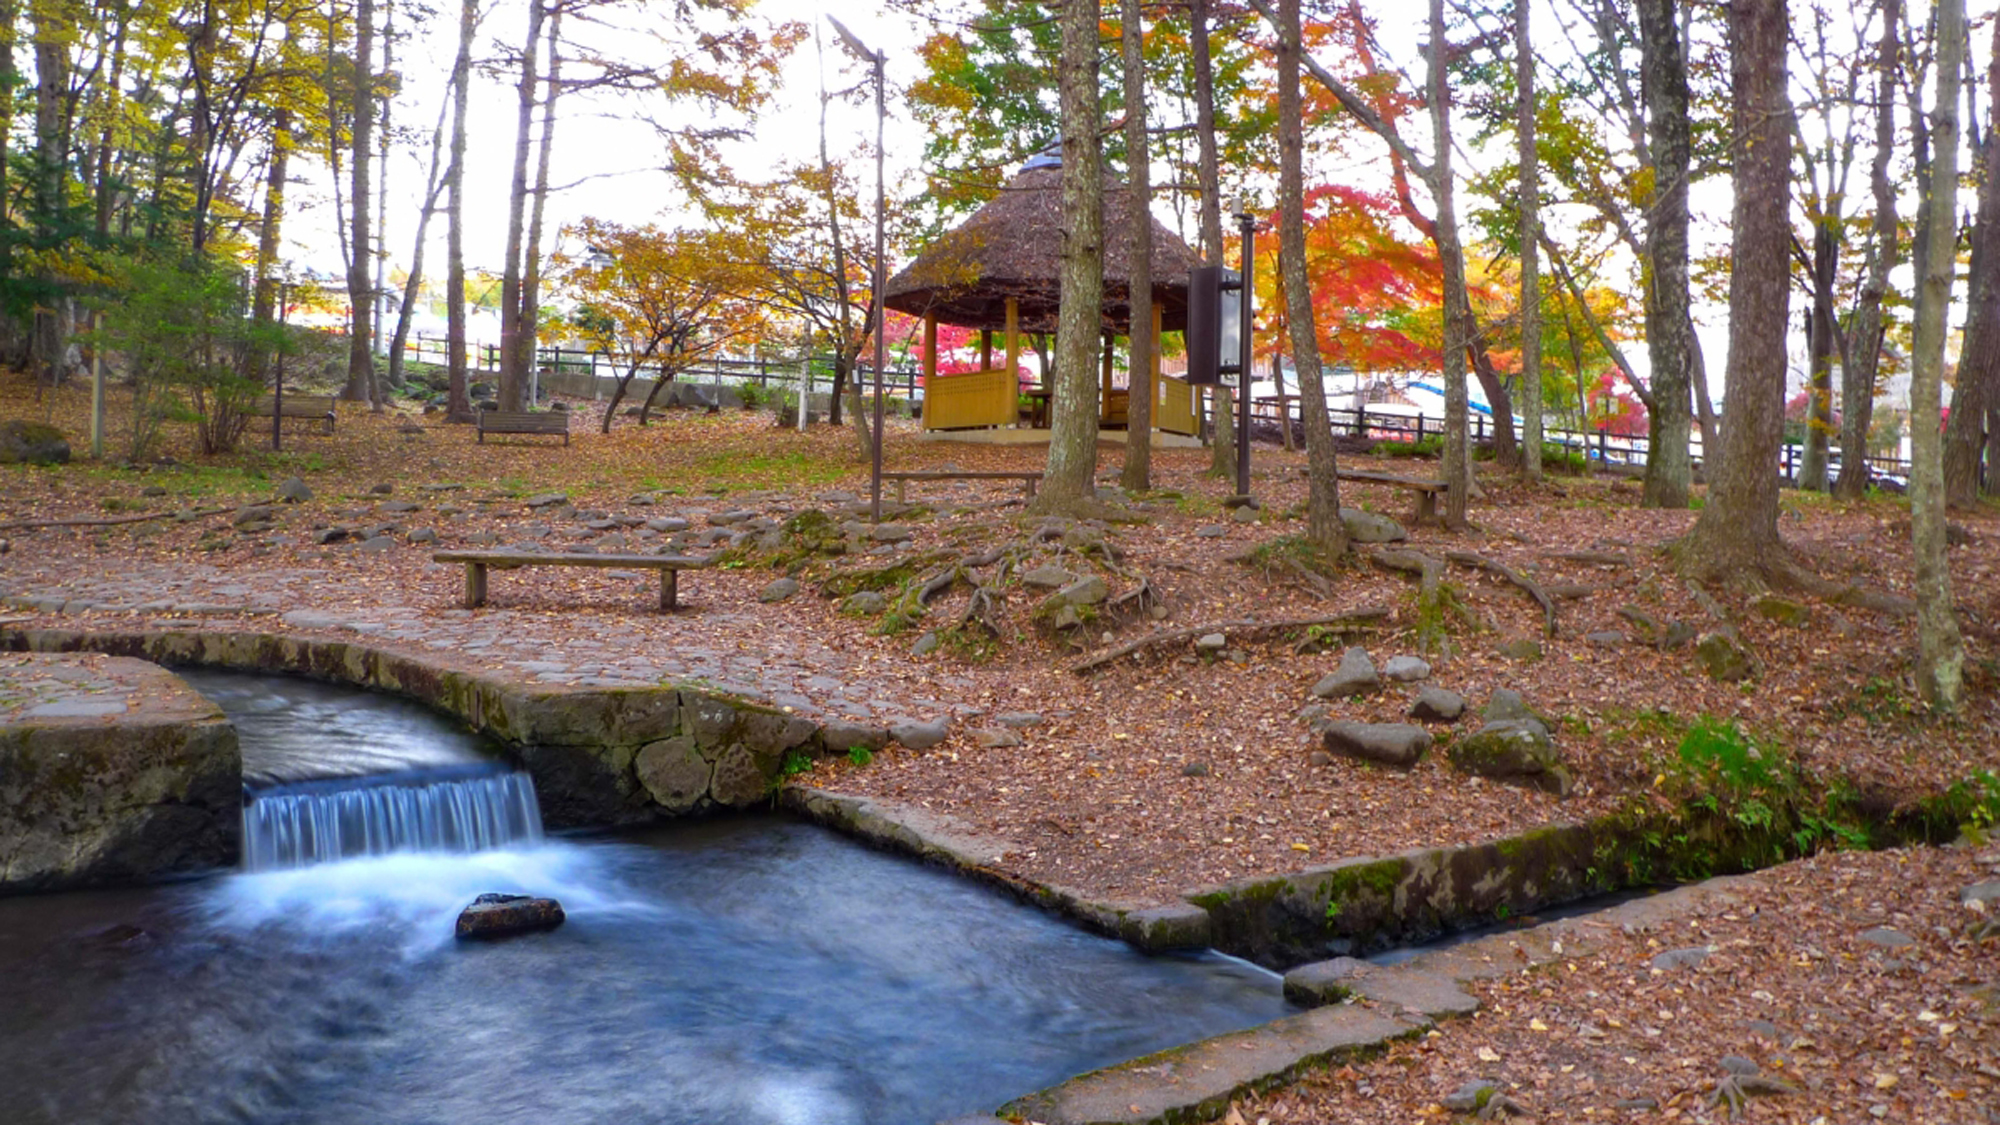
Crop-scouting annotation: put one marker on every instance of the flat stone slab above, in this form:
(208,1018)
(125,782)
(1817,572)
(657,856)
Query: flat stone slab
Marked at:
(1196,1082)
(111,770)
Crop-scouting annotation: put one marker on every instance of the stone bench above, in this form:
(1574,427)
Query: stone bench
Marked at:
(477,563)
(524,422)
(313,408)
(1029,478)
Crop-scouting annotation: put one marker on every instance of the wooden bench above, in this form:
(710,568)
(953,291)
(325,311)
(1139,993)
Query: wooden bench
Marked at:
(1028,478)
(477,563)
(313,408)
(524,422)
(1426,490)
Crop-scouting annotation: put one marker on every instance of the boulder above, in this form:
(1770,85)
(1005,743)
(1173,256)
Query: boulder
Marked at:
(865,603)
(294,491)
(546,500)
(778,590)
(1506,705)
(1516,751)
(1406,669)
(1388,744)
(1323,982)
(1211,644)
(32,443)
(1437,705)
(1367,527)
(674,773)
(1047,578)
(842,735)
(1084,591)
(1355,675)
(254,514)
(1784,611)
(497,916)
(919,735)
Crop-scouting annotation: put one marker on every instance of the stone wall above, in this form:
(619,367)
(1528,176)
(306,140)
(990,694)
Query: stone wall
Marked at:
(111,770)
(600,757)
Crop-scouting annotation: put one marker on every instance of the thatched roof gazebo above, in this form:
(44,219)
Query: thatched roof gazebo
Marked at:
(999,272)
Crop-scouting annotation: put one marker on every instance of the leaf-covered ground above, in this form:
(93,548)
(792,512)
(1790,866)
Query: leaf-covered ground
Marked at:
(1157,773)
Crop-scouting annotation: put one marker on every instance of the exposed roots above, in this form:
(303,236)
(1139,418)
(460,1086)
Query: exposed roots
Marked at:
(1365,617)
(1533,590)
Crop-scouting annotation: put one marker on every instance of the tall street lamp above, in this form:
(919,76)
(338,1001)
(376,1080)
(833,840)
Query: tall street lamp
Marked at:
(1246,224)
(878,60)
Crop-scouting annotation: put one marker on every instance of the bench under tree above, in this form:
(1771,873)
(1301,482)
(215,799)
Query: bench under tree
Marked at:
(477,563)
(311,408)
(552,422)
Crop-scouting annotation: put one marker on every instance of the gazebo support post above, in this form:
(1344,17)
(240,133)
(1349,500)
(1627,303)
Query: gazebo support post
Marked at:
(1153,379)
(1014,334)
(1104,375)
(930,365)
(985,348)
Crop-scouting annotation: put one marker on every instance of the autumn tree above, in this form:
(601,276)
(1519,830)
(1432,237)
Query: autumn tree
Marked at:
(1669,325)
(1138,217)
(1976,394)
(655,300)
(1863,357)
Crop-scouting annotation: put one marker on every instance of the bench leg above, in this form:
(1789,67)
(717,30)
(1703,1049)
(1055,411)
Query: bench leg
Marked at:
(668,590)
(1030,482)
(475,585)
(899,491)
(1427,507)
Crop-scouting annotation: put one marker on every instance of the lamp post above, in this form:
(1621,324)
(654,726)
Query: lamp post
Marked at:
(1246,225)
(878,60)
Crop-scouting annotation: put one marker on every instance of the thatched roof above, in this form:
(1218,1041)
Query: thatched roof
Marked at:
(1012,247)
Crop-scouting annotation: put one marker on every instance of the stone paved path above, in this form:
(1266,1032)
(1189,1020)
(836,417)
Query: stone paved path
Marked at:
(613,649)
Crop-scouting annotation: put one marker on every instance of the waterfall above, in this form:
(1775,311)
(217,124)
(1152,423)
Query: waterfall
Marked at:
(432,810)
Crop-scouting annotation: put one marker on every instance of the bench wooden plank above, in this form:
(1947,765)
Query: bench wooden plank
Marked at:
(477,563)
(524,422)
(1029,478)
(317,408)
(1426,490)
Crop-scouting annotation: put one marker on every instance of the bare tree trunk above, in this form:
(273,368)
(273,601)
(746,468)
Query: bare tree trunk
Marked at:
(1669,332)
(1864,353)
(1323,526)
(381,287)
(1737,531)
(1940,649)
(1978,389)
(1458,323)
(458,405)
(1222,423)
(264,300)
(513,373)
(1819,358)
(1069,484)
(1137,473)
(527,336)
(360,284)
(1531,225)
(47,343)
(413,284)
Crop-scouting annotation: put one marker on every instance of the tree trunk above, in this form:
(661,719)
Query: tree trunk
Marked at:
(513,373)
(1323,526)
(1069,484)
(413,284)
(1864,353)
(381,285)
(264,301)
(1458,324)
(47,343)
(458,407)
(1669,331)
(1737,531)
(360,282)
(1137,473)
(1222,424)
(529,331)
(1531,224)
(1940,650)
(1978,390)
(1819,357)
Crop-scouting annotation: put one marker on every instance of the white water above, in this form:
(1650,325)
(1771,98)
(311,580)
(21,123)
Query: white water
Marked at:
(327,821)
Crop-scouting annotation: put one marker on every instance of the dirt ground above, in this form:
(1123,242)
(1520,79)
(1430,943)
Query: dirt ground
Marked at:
(1172,770)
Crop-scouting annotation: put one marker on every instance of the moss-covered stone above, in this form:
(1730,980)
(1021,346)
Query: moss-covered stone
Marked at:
(1784,611)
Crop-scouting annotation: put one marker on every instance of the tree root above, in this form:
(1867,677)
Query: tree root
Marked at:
(1364,617)
(1590,558)
(1435,600)
(1541,596)
(108,521)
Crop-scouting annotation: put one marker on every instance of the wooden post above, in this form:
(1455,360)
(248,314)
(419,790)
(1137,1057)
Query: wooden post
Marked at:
(986,349)
(668,583)
(475,585)
(1104,376)
(1014,334)
(929,363)
(1153,385)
